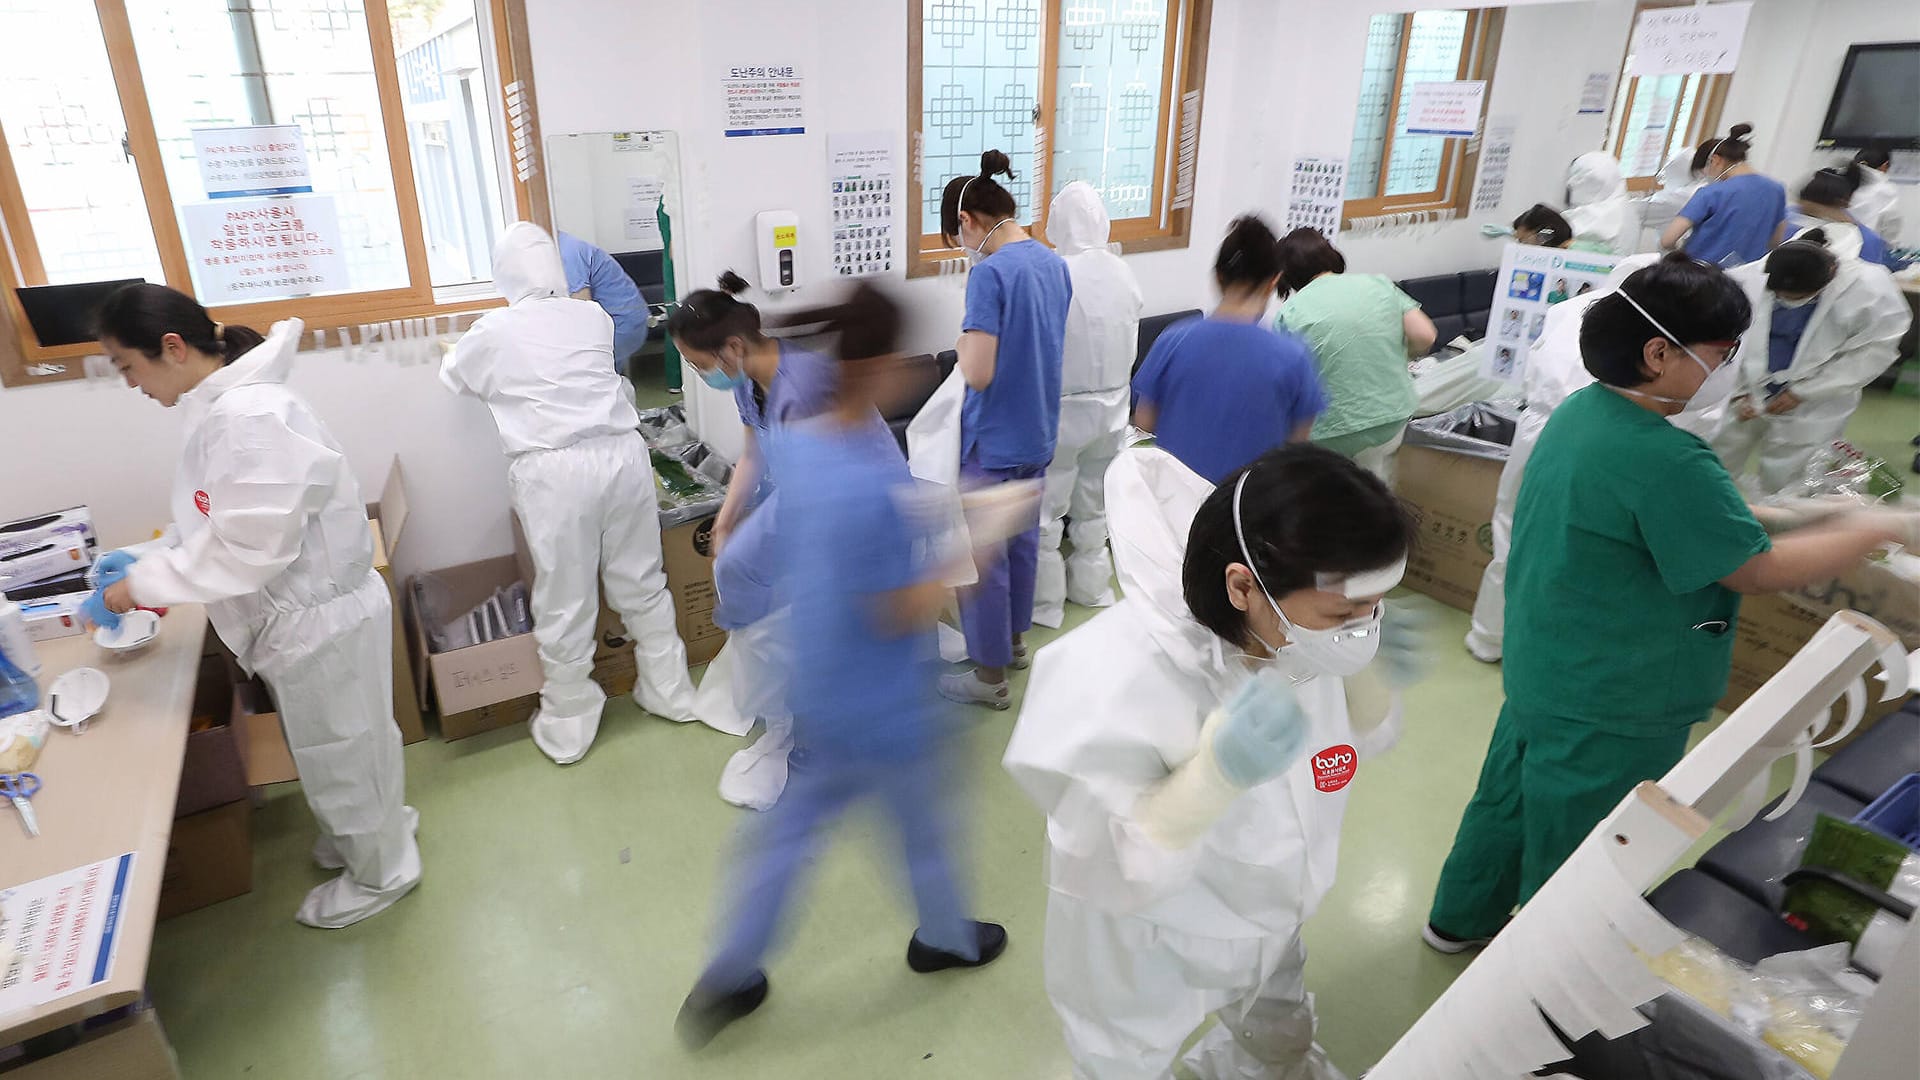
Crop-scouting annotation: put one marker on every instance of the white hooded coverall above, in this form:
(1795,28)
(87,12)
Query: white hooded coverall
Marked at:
(269,532)
(582,485)
(1554,370)
(1876,204)
(1103,335)
(1853,336)
(1598,207)
(1143,942)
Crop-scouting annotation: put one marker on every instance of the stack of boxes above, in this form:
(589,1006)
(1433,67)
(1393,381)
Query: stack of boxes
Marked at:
(43,567)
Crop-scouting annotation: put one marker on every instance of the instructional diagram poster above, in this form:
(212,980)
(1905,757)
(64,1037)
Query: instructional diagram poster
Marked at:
(247,162)
(1699,39)
(861,173)
(1446,108)
(243,250)
(58,935)
(643,213)
(763,99)
(1594,95)
(1496,153)
(1533,279)
(1317,198)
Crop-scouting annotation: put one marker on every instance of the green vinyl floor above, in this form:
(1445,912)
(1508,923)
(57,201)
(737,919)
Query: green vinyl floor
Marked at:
(565,912)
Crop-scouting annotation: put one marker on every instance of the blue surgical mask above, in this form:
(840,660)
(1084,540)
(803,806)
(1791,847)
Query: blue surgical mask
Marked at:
(720,380)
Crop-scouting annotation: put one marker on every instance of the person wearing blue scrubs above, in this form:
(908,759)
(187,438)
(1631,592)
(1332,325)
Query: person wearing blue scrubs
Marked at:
(1738,216)
(607,284)
(774,383)
(1826,203)
(1220,391)
(1011,347)
(859,569)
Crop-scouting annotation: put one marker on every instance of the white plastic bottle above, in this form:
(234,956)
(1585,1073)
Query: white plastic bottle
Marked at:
(14,640)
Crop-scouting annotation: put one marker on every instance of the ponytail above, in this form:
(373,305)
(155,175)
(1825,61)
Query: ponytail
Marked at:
(138,316)
(978,194)
(1736,146)
(706,318)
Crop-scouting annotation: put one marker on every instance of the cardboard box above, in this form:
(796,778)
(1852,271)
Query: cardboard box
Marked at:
(388,521)
(132,1049)
(1451,499)
(467,683)
(26,533)
(1773,628)
(261,738)
(52,617)
(211,772)
(209,859)
(56,556)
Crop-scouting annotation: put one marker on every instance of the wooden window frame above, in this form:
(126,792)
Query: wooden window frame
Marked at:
(1185,65)
(1708,101)
(1458,169)
(24,361)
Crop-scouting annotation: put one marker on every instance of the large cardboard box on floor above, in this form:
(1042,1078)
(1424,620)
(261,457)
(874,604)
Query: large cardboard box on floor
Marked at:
(210,851)
(480,687)
(388,520)
(1773,628)
(1450,496)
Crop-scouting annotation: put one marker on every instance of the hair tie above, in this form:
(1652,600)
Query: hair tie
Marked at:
(219,331)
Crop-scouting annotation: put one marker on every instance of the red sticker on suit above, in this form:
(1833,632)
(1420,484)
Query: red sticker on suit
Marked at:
(1333,768)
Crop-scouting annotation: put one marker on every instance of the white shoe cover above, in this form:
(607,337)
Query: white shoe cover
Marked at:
(755,777)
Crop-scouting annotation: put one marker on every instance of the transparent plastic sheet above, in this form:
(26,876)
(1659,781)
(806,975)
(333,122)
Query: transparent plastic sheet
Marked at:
(1840,469)
(690,481)
(1805,1005)
(1482,429)
(665,427)
(504,614)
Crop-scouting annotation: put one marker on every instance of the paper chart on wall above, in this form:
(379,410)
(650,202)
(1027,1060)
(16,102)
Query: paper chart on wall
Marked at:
(1496,152)
(1533,279)
(1593,95)
(861,178)
(1317,198)
(643,212)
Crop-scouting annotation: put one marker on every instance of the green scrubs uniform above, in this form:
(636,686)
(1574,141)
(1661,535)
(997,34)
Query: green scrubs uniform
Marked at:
(1619,639)
(1356,325)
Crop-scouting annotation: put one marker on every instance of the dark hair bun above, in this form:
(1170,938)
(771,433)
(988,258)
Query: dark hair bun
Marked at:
(996,163)
(1817,237)
(731,283)
(1740,132)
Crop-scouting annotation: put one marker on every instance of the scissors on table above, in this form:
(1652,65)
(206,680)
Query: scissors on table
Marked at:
(18,788)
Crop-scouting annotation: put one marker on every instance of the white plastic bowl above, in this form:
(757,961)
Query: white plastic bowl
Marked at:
(136,631)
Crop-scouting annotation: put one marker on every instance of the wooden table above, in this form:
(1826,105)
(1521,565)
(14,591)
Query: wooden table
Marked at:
(108,792)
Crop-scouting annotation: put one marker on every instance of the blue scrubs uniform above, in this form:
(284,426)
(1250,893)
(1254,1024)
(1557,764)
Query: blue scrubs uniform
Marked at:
(1227,392)
(1019,294)
(613,289)
(1734,219)
(1783,339)
(867,720)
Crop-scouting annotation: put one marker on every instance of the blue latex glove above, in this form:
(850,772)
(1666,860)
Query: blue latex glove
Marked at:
(95,611)
(1264,733)
(1404,658)
(112,567)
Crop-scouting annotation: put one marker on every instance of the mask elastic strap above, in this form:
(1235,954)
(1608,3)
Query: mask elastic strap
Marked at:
(1240,534)
(1665,333)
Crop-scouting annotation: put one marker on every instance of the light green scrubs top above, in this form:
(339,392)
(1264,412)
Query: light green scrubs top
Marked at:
(1354,322)
(1624,528)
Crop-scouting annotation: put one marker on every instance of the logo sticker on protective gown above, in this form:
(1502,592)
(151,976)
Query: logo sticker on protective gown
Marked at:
(201,503)
(1333,768)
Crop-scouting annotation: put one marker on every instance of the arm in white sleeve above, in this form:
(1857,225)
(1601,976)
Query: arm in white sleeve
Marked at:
(453,365)
(167,539)
(264,482)
(1867,352)
(1375,712)
(1180,809)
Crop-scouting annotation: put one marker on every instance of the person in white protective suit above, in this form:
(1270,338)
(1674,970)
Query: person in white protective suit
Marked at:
(1823,328)
(1554,370)
(1191,747)
(1603,216)
(1876,200)
(269,532)
(582,486)
(1682,175)
(1103,335)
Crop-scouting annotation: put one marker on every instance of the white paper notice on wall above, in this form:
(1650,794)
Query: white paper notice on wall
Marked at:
(643,213)
(1317,196)
(243,250)
(1594,95)
(1496,152)
(862,179)
(1701,39)
(763,99)
(247,162)
(1446,108)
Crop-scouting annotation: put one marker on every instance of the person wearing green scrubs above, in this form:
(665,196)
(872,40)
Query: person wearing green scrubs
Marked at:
(1631,550)
(1363,330)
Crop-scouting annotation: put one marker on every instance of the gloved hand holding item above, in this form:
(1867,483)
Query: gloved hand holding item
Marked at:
(111,567)
(1252,739)
(96,613)
(1404,657)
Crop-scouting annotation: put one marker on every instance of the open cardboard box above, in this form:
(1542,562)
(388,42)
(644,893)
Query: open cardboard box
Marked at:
(388,519)
(485,686)
(210,850)
(1451,497)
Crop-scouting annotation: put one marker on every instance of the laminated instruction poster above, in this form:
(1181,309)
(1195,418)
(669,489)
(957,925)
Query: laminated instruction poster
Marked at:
(1533,279)
(1318,196)
(243,250)
(861,175)
(247,162)
(58,935)
(763,99)
(1496,153)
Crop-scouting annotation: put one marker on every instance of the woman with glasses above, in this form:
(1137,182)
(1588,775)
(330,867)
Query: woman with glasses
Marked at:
(1631,550)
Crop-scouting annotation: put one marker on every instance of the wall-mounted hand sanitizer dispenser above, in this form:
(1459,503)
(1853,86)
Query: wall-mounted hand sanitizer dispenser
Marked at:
(776,236)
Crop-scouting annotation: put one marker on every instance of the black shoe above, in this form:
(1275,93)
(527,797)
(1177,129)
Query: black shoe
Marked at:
(925,959)
(703,1015)
(1442,942)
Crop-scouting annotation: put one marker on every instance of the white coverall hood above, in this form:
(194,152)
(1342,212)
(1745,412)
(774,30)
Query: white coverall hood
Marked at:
(1876,204)
(1077,221)
(526,264)
(1598,206)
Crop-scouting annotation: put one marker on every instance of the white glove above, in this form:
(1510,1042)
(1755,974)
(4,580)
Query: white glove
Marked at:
(1405,657)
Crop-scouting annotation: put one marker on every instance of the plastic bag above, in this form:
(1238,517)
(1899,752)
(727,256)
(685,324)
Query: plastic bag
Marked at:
(665,427)
(1840,469)
(21,737)
(1804,1004)
(1483,429)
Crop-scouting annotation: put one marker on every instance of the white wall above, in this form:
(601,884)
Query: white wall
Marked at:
(1281,81)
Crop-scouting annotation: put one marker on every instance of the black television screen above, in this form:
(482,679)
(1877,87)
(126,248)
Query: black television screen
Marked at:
(1875,98)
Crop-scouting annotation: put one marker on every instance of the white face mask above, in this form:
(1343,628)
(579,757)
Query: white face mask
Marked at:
(1783,302)
(1340,650)
(1717,388)
(974,255)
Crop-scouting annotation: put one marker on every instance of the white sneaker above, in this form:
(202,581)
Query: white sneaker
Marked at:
(967,688)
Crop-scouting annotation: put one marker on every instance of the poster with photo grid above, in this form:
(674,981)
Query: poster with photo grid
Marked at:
(1318,196)
(862,182)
